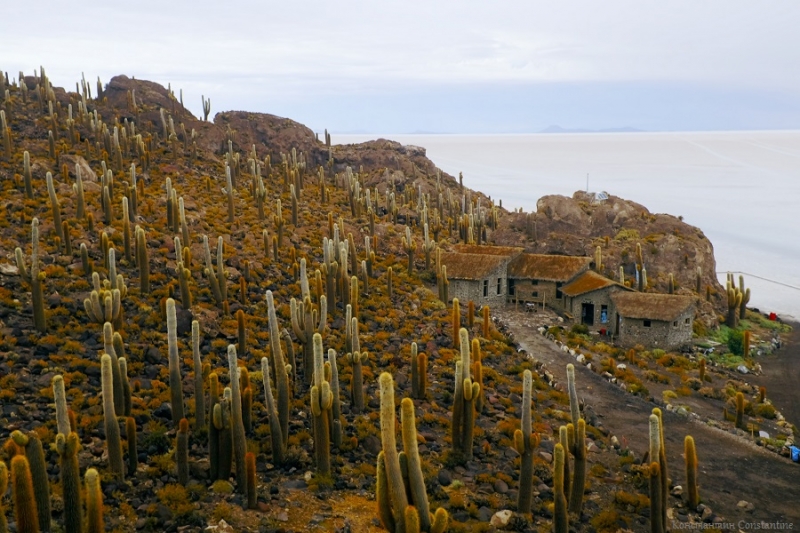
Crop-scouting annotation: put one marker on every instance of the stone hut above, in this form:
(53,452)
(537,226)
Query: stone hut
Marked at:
(588,300)
(540,278)
(653,320)
(481,278)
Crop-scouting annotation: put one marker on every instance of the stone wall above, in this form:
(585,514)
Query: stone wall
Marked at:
(599,298)
(660,334)
(466,290)
(531,291)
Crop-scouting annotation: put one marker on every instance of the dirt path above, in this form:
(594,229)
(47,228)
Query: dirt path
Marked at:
(781,377)
(731,470)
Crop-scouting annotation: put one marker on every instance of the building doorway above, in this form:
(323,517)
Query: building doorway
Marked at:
(587,314)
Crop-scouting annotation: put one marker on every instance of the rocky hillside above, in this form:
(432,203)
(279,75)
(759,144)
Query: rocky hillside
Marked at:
(146,235)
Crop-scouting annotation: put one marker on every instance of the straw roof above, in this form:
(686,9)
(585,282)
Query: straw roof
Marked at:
(508,251)
(587,282)
(547,267)
(471,266)
(649,306)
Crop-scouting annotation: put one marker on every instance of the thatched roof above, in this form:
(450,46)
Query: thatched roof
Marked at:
(587,282)
(649,306)
(547,267)
(507,251)
(471,266)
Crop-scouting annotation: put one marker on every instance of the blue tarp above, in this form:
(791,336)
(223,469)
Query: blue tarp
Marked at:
(795,453)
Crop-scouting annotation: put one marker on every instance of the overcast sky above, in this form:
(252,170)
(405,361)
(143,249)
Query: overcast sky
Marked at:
(467,66)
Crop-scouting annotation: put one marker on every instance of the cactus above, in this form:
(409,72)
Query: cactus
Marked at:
(419,364)
(745,292)
(127,395)
(237,423)
(305,324)
(222,421)
(94,503)
(56,207)
(477,369)
(275,431)
(247,408)
(206,107)
(67,448)
(560,519)
(656,508)
(229,192)
(38,469)
(485,331)
(250,467)
(463,403)
(133,452)
(182,451)
(456,317)
(213,433)
(241,347)
(216,279)
(321,402)
(689,452)
(574,408)
(410,247)
(598,260)
(142,261)
(111,425)
(762,394)
(525,441)
(279,222)
(25,511)
(199,394)
(746,343)
(357,358)
(734,300)
(390,282)
(184,275)
(126,229)
(34,277)
(336,406)
(26,174)
(662,466)
(175,381)
(62,416)
(394,478)
(579,470)
(86,263)
(566,434)
(740,410)
(279,364)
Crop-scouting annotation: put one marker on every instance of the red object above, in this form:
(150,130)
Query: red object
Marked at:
(773,316)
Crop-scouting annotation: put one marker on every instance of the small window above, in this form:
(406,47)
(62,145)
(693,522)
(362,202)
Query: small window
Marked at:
(485,288)
(604,314)
(511,287)
(646,323)
(534,282)
(687,321)
(499,285)
(675,324)
(535,294)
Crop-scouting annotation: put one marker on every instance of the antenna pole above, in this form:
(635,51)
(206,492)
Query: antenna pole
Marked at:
(587,183)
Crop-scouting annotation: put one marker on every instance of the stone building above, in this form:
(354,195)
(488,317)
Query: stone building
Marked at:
(588,300)
(653,320)
(481,278)
(540,278)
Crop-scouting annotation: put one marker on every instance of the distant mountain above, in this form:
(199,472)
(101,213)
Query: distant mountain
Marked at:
(558,129)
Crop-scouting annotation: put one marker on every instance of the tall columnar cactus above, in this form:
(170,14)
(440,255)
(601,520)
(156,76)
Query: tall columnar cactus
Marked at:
(456,318)
(464,403)
(175,381)
(525,441)
(250,467)
(229,192)
(336,406)
(241,326)
(216,277)
(746,336)
(62,416)
(94,503)
(740,410)
(25,512)
(142,261)
(574,408)
(419,371)
(67,448)
(182,451)
(41,487)
(34,277)
(306,322)
(410,247)
(237,423)
(127,394)
(390,283)
(113,442)
(598,259)
(55,206)
(275,431)
(27,175)
(133,452)
(566,434)
(213,432)
(222,421)
(734,300)
(477,369)
(579,470)
(321,402)
(745,298)
(394,486)
(199,393)
(485,331)
(656,508)
(662,465)
(280,366)
(690,453)
(560,518)
(3,489)
(356,358)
